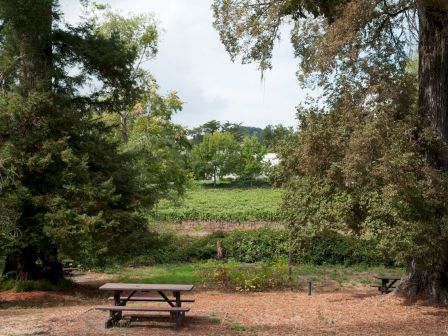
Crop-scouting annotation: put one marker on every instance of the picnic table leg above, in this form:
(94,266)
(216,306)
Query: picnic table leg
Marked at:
(383,286)
(179,315)
(392,282)
(115,316)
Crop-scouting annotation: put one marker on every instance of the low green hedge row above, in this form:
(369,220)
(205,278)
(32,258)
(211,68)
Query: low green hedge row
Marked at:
(264,244)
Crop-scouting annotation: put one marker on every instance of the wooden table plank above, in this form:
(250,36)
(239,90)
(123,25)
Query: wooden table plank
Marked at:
(146,287)
(387,277)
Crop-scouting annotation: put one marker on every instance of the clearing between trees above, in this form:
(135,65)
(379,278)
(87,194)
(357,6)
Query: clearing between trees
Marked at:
(329,310)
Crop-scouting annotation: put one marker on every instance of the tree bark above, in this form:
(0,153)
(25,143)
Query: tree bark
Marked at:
(433,73)
(430,280)
(21,265)
(32,28)
(27,264)
(35,46)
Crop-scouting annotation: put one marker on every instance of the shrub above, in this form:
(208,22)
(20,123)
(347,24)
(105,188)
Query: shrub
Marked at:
(331,247)
(262,244)
(245,277)
(256,245)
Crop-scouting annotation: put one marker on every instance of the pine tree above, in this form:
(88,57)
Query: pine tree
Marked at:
(70,192)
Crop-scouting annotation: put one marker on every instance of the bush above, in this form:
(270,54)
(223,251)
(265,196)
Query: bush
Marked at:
(253,277)
(331,247)
(325,248)
(263,244)
(168,248)
(256,245)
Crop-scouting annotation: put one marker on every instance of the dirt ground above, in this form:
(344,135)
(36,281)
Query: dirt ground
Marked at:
(355,312)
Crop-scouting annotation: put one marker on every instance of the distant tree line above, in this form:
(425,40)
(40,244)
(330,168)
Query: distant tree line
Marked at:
(220,149)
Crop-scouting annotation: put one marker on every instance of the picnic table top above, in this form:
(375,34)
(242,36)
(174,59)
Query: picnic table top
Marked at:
(387,277)
(146,287)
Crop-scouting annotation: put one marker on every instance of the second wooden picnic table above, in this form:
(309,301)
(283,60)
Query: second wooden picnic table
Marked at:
(387,282)
(175,308)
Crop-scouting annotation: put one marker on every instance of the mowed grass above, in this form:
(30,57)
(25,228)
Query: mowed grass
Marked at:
(224,204)
(256,276)
(162,274)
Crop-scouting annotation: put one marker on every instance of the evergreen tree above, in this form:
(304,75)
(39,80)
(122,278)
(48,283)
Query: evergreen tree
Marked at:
(70,192)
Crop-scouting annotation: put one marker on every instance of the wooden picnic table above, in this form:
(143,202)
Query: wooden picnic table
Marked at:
(175,308)
(387,282)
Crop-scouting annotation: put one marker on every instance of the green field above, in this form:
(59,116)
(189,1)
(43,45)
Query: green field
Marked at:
(256,276)
(224,204)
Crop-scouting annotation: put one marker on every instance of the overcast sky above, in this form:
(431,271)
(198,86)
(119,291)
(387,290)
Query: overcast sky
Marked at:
(192,61)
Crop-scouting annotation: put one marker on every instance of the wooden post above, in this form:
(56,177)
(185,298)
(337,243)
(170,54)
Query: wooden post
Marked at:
(219,250)
(310,287)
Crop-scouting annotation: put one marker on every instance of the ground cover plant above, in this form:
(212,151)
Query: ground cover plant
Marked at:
(224,204)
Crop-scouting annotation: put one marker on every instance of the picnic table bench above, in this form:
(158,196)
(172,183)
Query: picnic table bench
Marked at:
(387,283)
(68,266)
(177,312)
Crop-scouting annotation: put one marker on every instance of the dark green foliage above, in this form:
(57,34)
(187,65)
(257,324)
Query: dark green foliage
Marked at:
(253,246)
(362,170)
(153,249)
(68,190)
(237,130)
(325,248)
(369,163)
(256,245)
(334,248)
(275,136)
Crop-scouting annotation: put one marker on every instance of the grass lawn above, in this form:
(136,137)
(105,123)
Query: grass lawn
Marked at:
(254,277)
(162,274)
(224,204)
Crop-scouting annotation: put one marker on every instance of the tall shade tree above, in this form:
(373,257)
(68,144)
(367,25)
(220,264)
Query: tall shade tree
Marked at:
(251,164)
(138,33)
(216,156)
(341,39)
(68,190)
(160,148)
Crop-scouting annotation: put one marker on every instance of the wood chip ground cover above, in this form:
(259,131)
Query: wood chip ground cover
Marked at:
(351,312)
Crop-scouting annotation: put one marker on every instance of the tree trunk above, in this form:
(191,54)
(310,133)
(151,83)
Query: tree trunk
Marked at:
(35,47)
(32,28)
(431,281)
(21,265)
(24,265)
(433,73)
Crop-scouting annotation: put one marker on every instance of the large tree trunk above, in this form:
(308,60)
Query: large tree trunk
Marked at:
(423,279)
(21,265)
(433,72)
(32,28)
(35,46)
(27,264)
(430,282)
